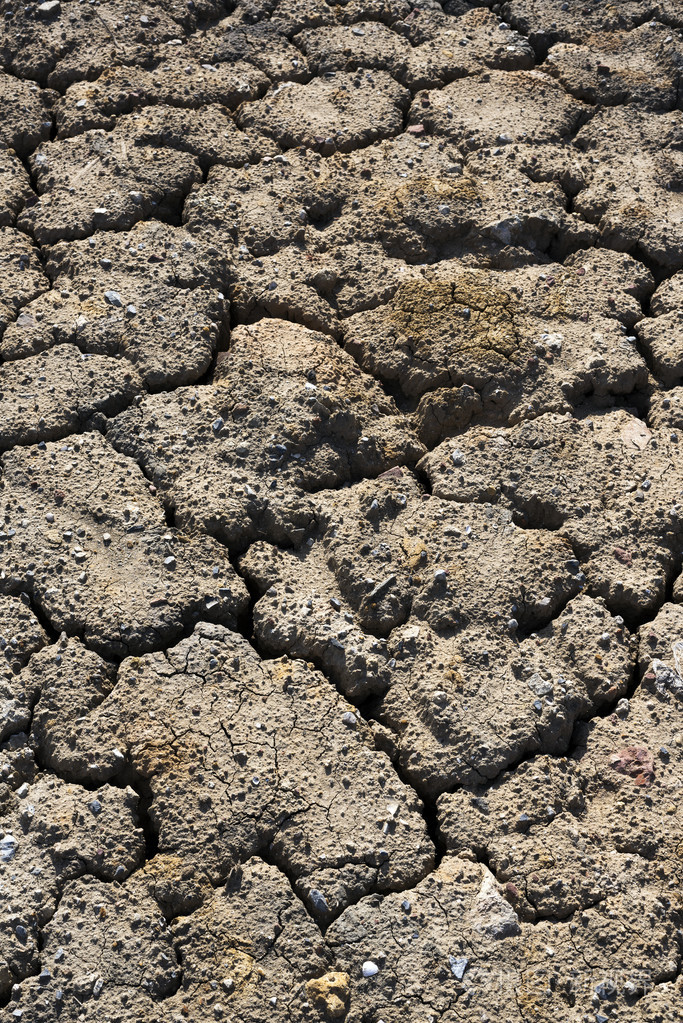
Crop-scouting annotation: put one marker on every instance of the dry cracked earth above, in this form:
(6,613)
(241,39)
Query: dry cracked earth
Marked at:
(341,592)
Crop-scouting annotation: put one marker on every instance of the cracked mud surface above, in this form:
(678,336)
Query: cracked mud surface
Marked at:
(341,592)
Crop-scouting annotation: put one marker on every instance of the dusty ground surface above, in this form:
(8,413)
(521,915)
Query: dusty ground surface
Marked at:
(341,605)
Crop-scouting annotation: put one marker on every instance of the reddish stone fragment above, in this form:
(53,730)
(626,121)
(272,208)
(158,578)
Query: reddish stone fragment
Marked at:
(635,762)
(623,556)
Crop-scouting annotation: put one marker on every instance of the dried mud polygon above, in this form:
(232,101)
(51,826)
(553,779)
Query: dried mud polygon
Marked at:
(341,511)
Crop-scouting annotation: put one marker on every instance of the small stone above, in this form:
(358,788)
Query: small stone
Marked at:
(49,10)
(319,901)
(635,762)
(369,969)
(8,847)
(113,297)
(539,685)
(349,719)
(458,966)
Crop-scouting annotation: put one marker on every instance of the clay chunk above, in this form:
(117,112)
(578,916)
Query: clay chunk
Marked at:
(288,414)
(57,43)
(575,838)
(639,67)
(54,833)
(422,200)
(53,395)
(508,344)
(499,108)
(145,166)
(660,333)
(537,469)
(341,511)
(342,112)
(149,296)
(82,530)
(121,90)
(632,192)
(548,21)
(425,623)
(274,758)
